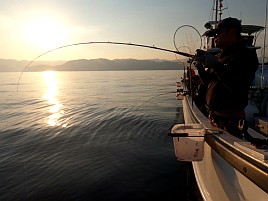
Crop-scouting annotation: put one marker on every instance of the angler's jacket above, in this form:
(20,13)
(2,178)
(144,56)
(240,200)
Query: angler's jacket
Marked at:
(228,82)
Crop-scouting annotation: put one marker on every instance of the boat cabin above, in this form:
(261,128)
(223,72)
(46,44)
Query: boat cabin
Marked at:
(249,35)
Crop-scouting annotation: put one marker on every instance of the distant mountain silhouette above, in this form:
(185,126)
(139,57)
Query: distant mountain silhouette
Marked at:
(11,65)
(91,65)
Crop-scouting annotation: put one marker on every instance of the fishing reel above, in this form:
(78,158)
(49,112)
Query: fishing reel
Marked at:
(205,59)
(200,53)
(195,59)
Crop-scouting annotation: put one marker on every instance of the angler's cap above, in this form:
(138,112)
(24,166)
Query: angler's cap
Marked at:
(227,23)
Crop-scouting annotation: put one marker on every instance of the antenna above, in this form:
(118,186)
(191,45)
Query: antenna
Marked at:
(220,9)
(216,11)
(264,42)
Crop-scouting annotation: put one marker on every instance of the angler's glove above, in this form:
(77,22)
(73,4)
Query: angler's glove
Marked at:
(205,60)
(199,65)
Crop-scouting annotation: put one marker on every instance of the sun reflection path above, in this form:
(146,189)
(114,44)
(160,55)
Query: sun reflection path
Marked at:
(50,95)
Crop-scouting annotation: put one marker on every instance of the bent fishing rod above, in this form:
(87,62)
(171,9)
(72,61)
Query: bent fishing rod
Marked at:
(105,42)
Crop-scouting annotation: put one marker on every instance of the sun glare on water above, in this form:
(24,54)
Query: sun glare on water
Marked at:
(55,109)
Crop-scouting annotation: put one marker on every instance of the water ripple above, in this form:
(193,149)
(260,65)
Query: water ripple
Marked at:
(109,149)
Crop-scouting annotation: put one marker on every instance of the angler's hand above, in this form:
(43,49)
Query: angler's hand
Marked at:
(199,65)
(207,60)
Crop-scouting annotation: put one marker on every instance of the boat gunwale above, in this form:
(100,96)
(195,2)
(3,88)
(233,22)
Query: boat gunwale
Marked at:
(252,168)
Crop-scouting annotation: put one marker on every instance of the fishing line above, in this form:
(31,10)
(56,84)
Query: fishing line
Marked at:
(113,43)
(103,42)
(227,8)
(211,11)
(263,54)
(156,96)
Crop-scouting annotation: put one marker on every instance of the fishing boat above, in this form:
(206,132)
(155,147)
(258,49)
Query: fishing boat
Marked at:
(226,168)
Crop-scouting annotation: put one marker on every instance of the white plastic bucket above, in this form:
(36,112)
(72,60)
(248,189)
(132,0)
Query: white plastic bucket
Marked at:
(188,140)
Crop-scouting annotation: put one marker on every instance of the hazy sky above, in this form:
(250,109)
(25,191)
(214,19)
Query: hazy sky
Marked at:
(30,27)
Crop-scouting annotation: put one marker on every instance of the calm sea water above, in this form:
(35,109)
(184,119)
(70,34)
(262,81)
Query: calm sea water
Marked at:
(90,136)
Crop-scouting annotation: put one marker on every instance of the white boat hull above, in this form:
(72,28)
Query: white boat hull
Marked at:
(217,179)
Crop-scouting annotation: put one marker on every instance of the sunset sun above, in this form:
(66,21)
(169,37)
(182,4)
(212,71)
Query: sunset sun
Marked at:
(45,32)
